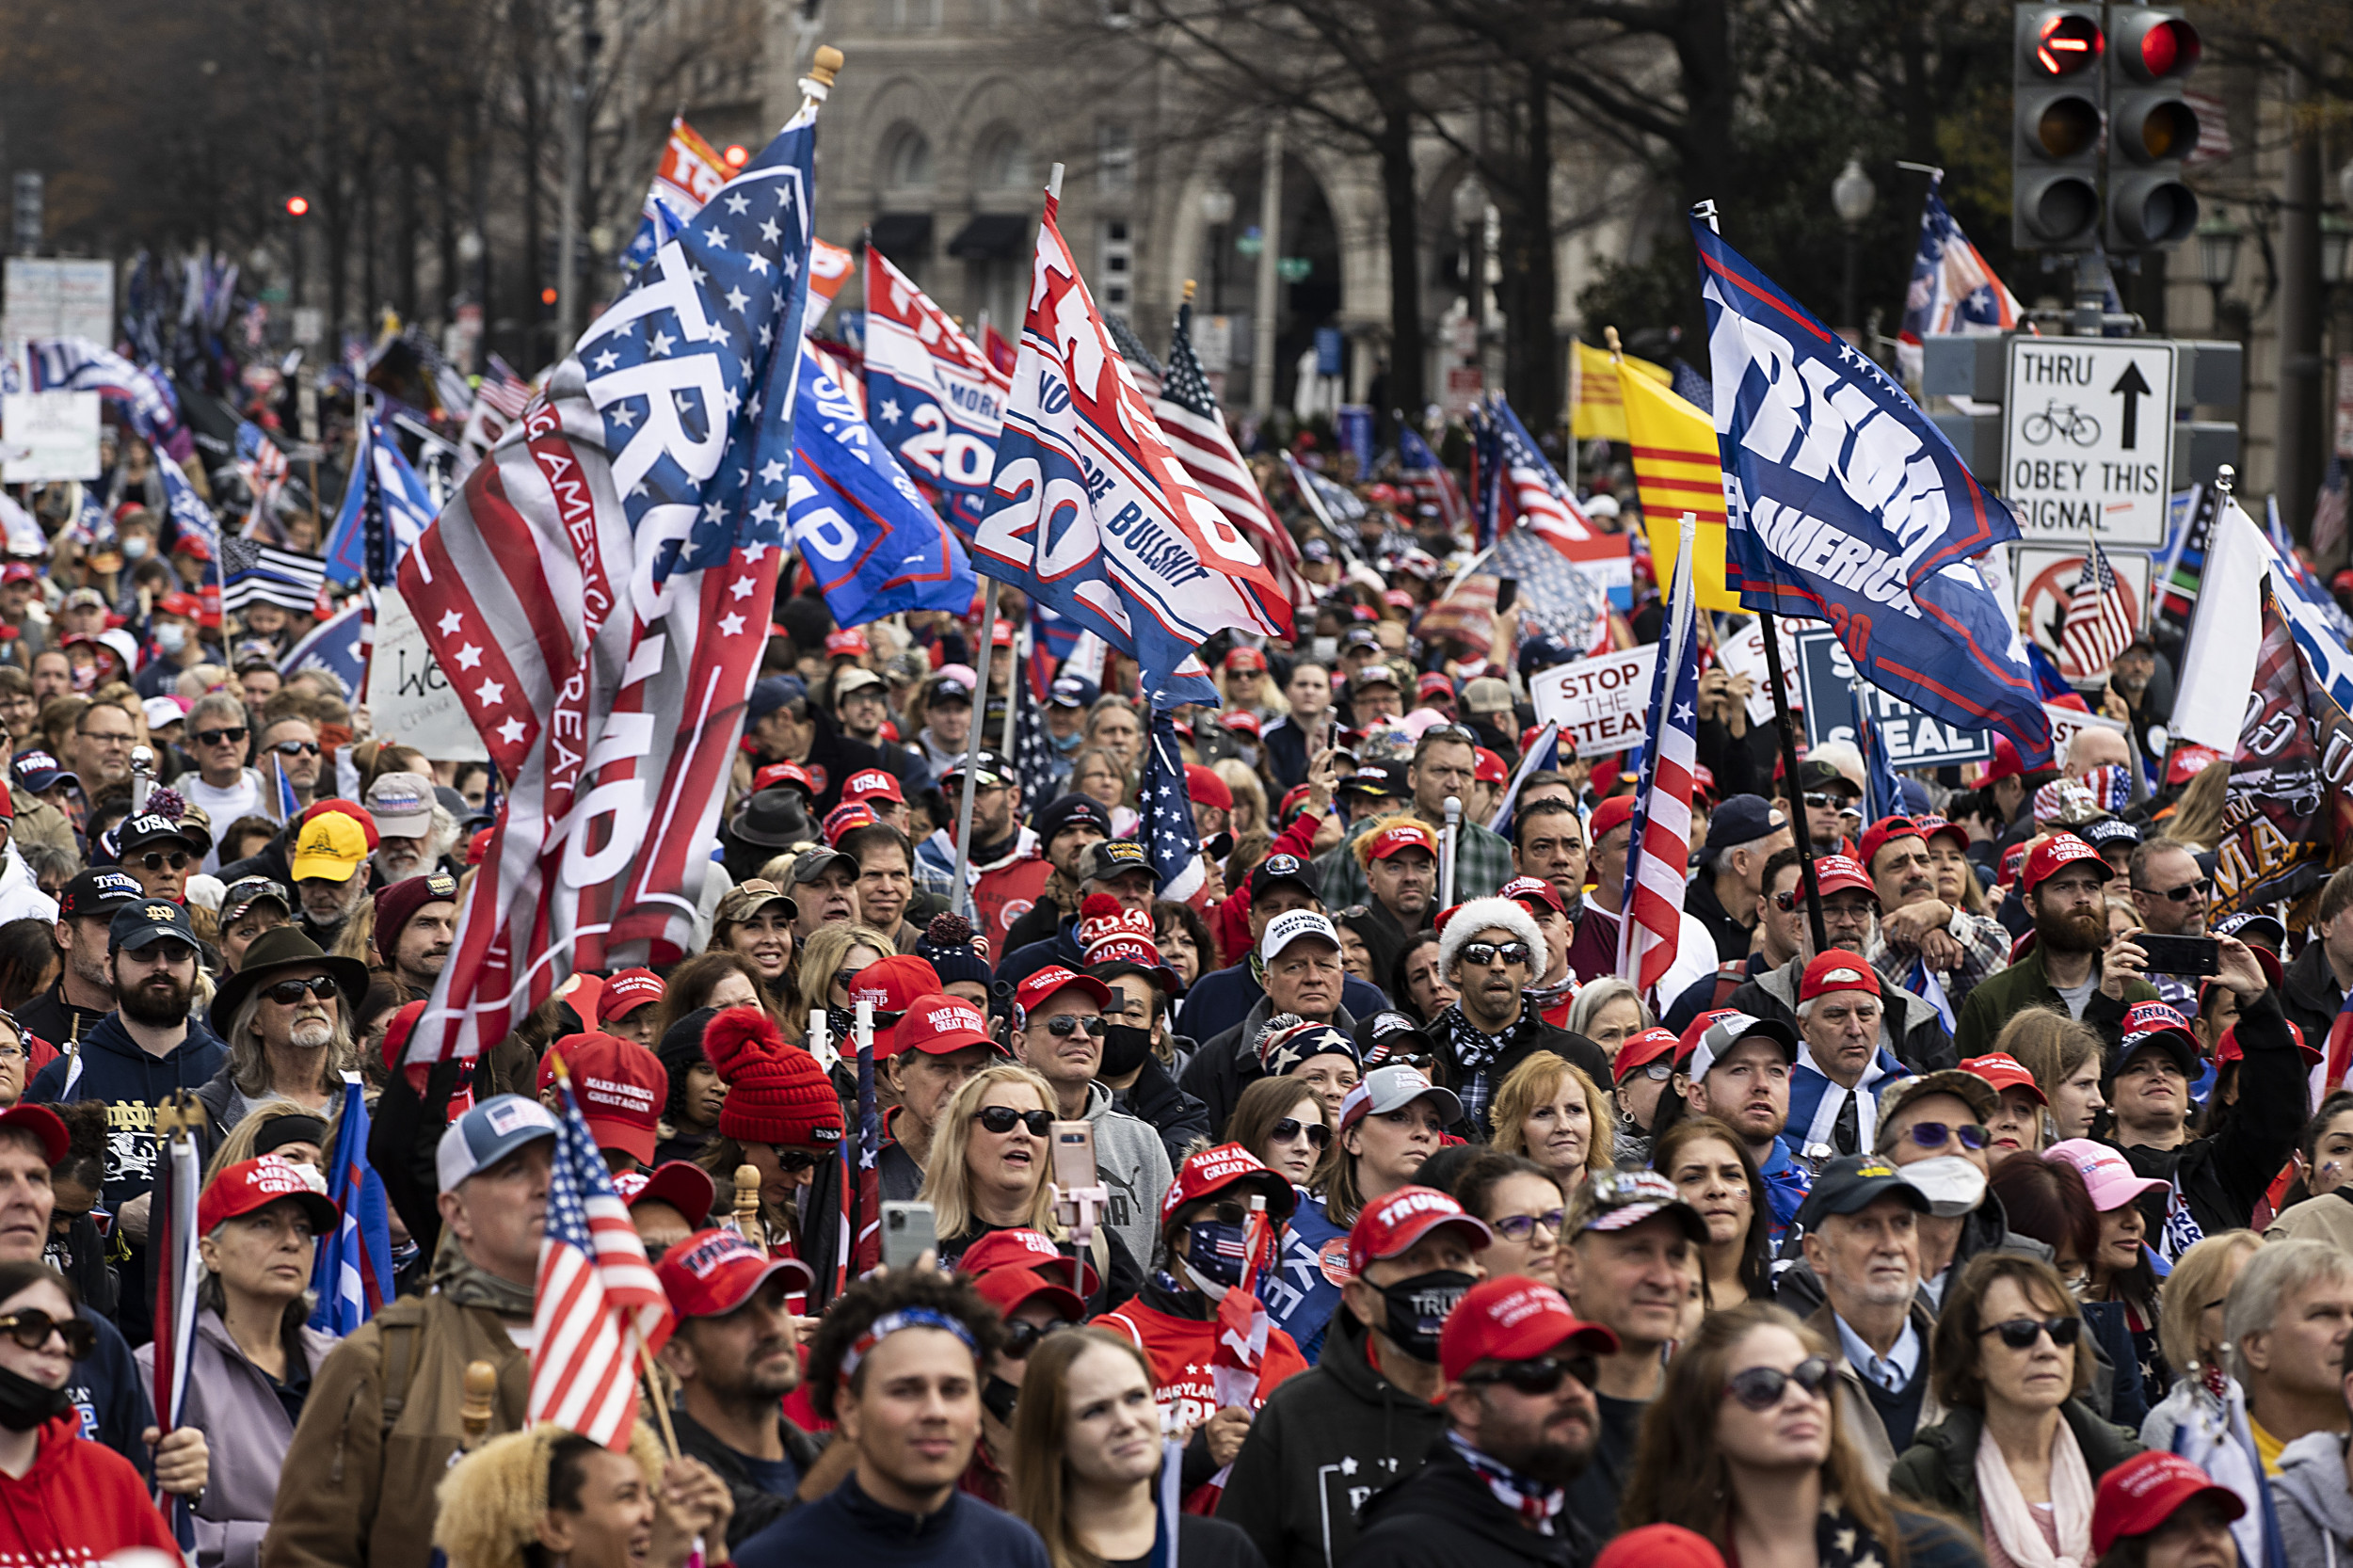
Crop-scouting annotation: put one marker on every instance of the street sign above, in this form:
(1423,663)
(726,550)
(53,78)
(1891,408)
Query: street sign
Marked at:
(2045,582)
(2088,438)
(1913,738)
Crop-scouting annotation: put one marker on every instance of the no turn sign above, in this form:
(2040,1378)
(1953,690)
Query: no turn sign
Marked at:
(2088,438)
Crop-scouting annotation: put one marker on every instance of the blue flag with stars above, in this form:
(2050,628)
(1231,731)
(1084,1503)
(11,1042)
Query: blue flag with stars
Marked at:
(338,649)
(386,507)
(1166,829)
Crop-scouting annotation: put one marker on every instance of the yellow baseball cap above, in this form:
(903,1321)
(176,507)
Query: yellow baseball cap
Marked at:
(331,847)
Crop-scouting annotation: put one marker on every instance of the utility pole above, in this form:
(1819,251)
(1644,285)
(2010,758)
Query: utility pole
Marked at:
(1269,265)
(2298,453)
(568,281)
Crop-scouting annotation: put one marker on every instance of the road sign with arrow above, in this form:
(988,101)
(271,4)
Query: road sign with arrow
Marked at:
(2088,438)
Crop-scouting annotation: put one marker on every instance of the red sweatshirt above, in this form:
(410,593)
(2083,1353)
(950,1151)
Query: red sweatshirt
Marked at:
(81,1500)
(1180,1350)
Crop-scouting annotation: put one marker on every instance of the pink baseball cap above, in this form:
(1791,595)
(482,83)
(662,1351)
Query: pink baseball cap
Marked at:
(2106,1173)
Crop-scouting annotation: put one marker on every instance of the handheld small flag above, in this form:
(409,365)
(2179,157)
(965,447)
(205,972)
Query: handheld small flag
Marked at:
(1652,919)
(353,1277)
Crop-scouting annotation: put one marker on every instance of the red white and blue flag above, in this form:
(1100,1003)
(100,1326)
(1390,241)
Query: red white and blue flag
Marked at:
(1430,481)
(597,1298)
(77,364)
(690,173)
(2099,623)
(1542,537)
(353,1276)
(1165,827)
(1187,409)
(598,594)
(1952,289)
(1092,513)
(930,392)
(1652,922)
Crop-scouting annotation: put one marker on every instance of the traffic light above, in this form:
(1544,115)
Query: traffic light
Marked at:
(2152,128)
(297,206)
(2055,144)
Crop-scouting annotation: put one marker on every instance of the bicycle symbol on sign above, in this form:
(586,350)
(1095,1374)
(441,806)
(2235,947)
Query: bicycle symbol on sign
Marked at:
(2060,419)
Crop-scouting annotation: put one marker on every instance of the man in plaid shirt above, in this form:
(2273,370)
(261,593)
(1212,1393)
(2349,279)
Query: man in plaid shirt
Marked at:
(1444,762)
(1916,929)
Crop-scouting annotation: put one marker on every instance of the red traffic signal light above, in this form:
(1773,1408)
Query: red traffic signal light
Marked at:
(297,206)
(737,155)
(2152,47)
(2066,42)
(547,296)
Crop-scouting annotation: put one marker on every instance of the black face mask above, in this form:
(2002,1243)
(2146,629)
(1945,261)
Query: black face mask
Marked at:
(1124,1049)
(25,1404)
(1417,1309)
(843,1022)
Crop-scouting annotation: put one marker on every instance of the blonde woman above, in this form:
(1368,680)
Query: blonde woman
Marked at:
(828,959)
(290,1130)
(2205,1418)
(1610,1012)
(1548,1111)
(988,1172)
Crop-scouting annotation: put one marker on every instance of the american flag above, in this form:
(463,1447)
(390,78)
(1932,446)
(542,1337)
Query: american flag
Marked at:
(1033,747)
(262,574)
(2099,624)
(598,593)
(1429,478)
(1144,370)
(353,1276)
(259,459)
(1651,919)
(1166,829)
(1187,411)
(597,1298)
(1540,537)
(502,388)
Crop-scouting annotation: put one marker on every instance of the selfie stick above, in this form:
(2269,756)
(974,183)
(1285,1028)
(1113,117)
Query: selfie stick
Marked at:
(1446,850)
(820,1046)
(1076,1207)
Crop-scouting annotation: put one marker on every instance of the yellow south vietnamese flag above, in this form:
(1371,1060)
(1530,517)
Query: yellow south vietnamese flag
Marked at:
(1678,469)
(1597,407)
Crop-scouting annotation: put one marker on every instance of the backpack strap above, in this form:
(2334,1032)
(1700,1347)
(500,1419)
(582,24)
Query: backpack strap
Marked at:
(400,1368)
(1729,978)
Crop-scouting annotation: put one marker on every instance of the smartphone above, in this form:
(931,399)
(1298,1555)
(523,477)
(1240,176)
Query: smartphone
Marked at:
(908,1233)
(1074,1155)
(2180,956)
(1507,594)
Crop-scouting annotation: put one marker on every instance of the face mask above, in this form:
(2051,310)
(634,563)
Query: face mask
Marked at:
(1124,1049)
(171,639)
(1417,1309)
(25,1404)
(1214,1256)
(85,678)
(1951,1184)
(134,548)
(998,1397)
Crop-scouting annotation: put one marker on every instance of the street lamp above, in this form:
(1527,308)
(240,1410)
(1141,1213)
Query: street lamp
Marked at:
(1217,210)
(1851,195)
(2219,242)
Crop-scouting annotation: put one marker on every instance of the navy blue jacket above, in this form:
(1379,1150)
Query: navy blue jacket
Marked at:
(1221,999)
(115,1070)
(847,1525)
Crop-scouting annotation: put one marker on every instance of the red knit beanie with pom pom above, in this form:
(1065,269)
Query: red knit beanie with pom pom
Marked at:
(776,1093)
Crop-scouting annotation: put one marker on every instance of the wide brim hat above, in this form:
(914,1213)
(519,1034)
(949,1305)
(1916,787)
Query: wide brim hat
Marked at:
(275,950)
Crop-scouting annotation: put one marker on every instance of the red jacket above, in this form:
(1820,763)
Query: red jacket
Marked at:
(1229,922)
(1180,1350)
(81,1500)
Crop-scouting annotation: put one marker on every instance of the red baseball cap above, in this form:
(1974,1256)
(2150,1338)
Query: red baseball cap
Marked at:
(1609,816)
(1246,721)
(712,1272)
(1002,635)
(402,1025)
(252,1184)
(47,1126)
(936,1025)
(1525,890)
(2147,1490)
(2046,858)
(1837,969)
(185,605)
(681,1183)
(2005,1072)
(18,571)
(2004,764)
(849,644)
(1245,659)
(1011,1266)
(1933,828)
(1396,1223)
(1434,685)
(1032,993)
(871,784)
(1688,1041)
(2229,1049)
(1209,1172)
(1488,768)
(1640,1050)
(2189,761)
(1404,835)
(1886,830)
(1511,1318)
(626,992)
(845,819)
(1836,873)
(892,984)
(1206,787)
(622,1087)
(2012,860)
(1659,1547)
(478,847)
(784,772)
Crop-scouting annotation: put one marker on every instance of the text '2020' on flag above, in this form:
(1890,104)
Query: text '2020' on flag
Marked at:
(930,392)
(598,596)
(1844,504)
(1091,512)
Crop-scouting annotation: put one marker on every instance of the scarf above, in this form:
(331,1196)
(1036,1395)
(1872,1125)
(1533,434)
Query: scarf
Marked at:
(466,1284)
(1527,1499)
(2011,1522)
(1839,1540)
(1543,999)
(1474,1051)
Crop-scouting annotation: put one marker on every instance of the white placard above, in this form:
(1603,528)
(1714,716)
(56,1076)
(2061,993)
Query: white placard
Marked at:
(409,697)
(1743,653)
(2067,722)
(48,435)
(1601,704)
(52,298)
(2088,438)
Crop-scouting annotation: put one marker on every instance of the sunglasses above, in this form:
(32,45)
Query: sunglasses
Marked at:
(1004,1118)
(1021,1339)
(289,993)
(793,1162)
(1657,1071)
(1931,1135)
(1063,1025)
(155,860)
(2021,1333)
(1519,1227)
(1760,1389)
(1828,800)
(214,737)
(296,748)
(1540,1376)
(1291,1126)
(2182,894)
(1487,952)
(31,1328)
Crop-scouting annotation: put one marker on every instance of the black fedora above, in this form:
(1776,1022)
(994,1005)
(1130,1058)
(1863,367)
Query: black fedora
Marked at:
(774,819)
(278,948)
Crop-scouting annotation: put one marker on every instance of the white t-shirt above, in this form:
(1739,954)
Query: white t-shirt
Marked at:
(241,799)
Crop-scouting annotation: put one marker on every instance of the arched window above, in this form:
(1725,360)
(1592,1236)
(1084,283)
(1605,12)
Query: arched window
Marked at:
(906,159)
(1004,162)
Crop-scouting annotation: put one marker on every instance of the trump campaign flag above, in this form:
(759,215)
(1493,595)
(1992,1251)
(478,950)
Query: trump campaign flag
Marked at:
(1844,504)
(689,173)
(930,392)
(353,1276)
(1092,514)
(1189,417)
(598,593)
(77,364)
(1952,289)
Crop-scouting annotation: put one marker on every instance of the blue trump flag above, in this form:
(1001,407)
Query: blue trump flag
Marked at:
(353,1276)
(386,508)
(338,649)
(1845,505)
(870,540)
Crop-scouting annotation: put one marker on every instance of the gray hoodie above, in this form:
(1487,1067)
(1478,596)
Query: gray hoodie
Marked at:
(1133,1163)
(2315,1506)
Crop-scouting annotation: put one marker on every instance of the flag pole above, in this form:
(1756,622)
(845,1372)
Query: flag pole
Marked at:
(963,894)
(1705,211)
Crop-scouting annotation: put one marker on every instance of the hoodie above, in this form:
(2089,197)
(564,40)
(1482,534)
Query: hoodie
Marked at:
(111,1067)
(2316,1507)
(1312,1459)
(79,1502)
(1133,1163)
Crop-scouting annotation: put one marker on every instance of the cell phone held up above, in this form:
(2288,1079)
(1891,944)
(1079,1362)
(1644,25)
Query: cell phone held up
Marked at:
(1074,1156)
(908,1231)
(2180,956)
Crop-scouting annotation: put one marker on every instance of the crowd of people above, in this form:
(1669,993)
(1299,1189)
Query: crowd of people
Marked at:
(1913,1219)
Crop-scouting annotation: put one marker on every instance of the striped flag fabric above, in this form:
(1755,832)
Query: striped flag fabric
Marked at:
(353,1276)
(1657,852)
(1538,515)
(1429,478)
(1166,829)
(598,1298)
(2099,624)
(1147,373)
(179,1180)
(1597,407)
(502,388)
(257,573)
(1189,417)
(1677,470)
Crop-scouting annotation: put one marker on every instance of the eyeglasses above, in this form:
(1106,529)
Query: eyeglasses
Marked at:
(2182,894)
(1023,1337)
(1291,1126)
(1004,1118)
(1760,1389)
(1063,1025)
(1659,1071)
(1931,1135)
(1519,1227)
(155,860)
(1488,952)
(296,748)
(289,993)
(2021,1333)
(216,737)
(1537,1377)
(31,1328)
